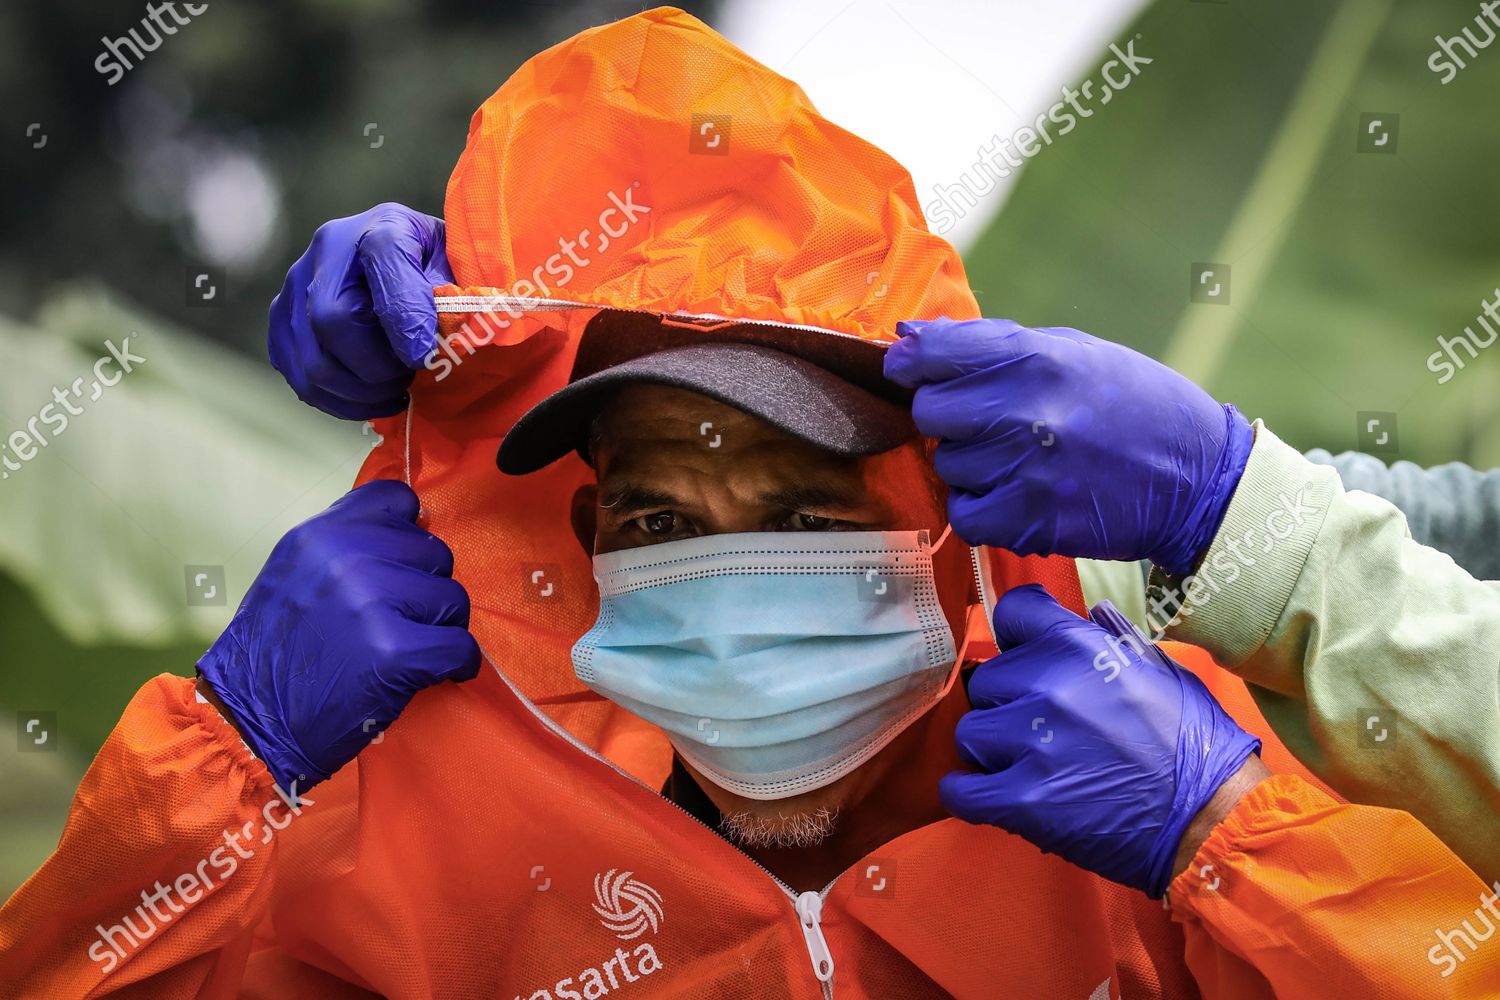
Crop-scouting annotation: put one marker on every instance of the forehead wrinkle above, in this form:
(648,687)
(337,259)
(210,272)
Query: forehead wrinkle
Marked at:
(817,493)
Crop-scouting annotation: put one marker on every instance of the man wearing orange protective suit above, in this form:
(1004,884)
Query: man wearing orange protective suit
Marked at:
(521,834)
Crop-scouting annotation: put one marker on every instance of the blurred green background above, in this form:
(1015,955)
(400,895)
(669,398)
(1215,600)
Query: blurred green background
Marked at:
(1238,145)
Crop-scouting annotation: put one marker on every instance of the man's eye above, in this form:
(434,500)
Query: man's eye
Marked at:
(658,525)
(809,522)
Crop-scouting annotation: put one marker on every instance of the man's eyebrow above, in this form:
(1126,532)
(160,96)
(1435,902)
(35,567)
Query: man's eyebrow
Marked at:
(813,496)
(635,496)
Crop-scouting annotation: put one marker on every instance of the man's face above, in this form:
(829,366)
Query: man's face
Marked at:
(662,477)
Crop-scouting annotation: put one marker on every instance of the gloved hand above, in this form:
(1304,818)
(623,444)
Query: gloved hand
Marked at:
(356,318)
(355,612)
(1099,750)
(1054,441)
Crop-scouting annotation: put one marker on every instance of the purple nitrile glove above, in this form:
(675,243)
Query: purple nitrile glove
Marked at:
(1056,442)
(355,611)
(356,316)
(1089,742)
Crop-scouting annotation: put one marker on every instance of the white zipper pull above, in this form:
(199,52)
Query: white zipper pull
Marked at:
(810,915)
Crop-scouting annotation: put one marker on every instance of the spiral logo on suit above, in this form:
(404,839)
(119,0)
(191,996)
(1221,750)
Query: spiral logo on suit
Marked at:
(625,905)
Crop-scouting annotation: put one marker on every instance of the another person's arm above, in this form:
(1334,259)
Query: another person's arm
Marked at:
(1095,746)
(1407,624)
(1452,508)
(1376,659)
(1314,595)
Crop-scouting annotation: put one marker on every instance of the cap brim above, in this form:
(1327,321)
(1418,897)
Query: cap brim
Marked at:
(789,392)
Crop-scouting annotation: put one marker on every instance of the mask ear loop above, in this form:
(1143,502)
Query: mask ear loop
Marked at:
(986,593)
(963,646)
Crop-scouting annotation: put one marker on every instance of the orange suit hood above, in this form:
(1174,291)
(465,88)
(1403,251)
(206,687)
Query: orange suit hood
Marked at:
(645,166)
(731,194)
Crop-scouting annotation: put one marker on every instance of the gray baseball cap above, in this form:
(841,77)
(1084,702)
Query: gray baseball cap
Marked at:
(824,389)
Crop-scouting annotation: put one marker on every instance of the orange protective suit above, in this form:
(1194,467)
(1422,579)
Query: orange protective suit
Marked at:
(505,838)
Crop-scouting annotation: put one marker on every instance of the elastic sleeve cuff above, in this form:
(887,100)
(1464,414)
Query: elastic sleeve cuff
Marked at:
(199,699)
(1241,586)
(221,734)
(1262,816)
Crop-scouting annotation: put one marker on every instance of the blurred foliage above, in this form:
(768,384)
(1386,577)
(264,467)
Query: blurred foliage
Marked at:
(196,457)
(1237,145)
(283,88)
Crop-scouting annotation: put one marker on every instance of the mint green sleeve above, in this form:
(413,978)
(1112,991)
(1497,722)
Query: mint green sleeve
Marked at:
(1123,584)
(1375,659)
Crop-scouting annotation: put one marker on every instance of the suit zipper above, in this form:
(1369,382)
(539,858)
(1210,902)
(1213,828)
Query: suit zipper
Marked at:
(809,905)
(986,599)
(809,908)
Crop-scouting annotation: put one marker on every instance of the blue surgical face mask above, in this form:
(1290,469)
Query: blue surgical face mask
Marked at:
(776,662)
